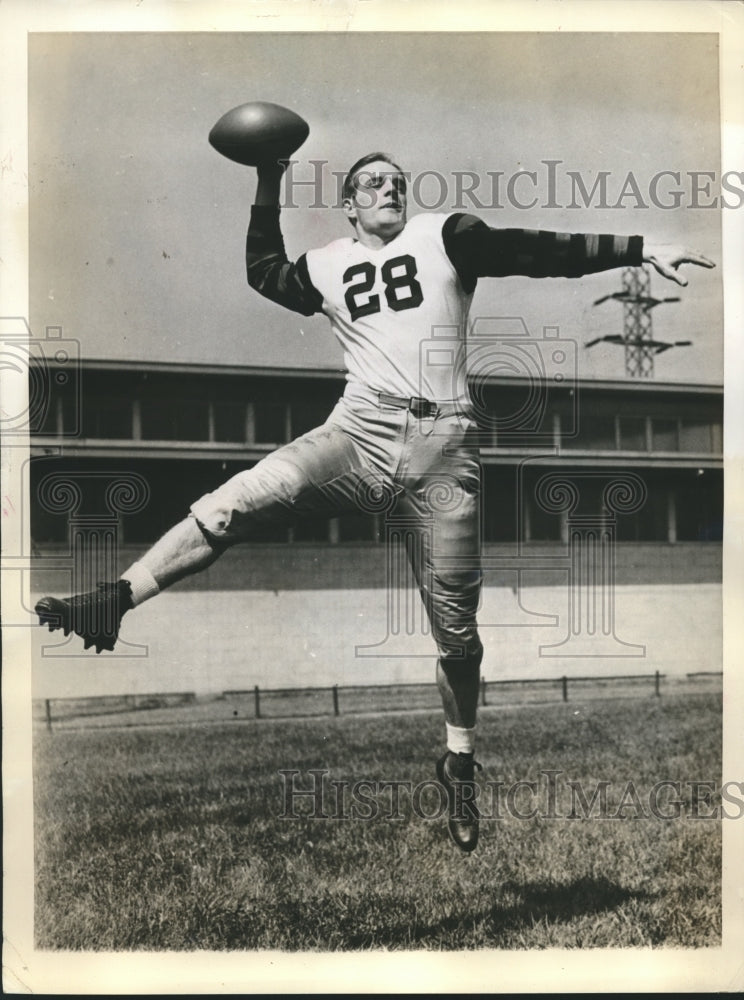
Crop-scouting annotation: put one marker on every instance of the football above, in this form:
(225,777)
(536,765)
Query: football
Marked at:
(257,132)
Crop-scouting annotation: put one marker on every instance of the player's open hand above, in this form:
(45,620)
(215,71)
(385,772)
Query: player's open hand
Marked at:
(666,258)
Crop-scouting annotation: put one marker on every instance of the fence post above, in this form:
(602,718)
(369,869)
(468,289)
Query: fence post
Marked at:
(564,685)
(49,714)
(257,699)
(335,699)
(657,684)
(483,690)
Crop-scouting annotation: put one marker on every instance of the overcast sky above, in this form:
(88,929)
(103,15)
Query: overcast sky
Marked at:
(138,226)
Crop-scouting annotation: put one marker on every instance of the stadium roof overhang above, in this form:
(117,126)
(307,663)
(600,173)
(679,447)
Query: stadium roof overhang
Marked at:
(640,386)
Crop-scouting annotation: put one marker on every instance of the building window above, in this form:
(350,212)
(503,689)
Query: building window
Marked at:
(593,433)
(271,423)
(695,436)
(229,422)
(716,431)
(540,525)
(499,505)
(311,529)
(58,407)
(358,528)
(48,527)
(699,504)
(48,423)
(647,524)
(107,418)
(308,414)
(175,419)
(633,433)
(530,428)
(271,534)
(664,434)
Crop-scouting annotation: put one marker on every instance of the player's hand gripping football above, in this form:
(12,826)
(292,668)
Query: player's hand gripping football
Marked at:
(270,173)
(666,258)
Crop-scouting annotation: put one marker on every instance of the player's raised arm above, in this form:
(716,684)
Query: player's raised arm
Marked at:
(264,135)
(268,269)
(666,258)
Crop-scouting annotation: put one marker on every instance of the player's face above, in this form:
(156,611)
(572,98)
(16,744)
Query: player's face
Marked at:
(378,207)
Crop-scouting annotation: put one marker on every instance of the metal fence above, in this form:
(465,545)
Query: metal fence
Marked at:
(56,709)
(335,700)
(349,699)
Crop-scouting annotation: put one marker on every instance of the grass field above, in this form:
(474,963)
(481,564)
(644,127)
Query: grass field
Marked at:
(172,837)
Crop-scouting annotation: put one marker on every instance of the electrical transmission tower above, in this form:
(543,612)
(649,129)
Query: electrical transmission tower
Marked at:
(637,323)
(637,337)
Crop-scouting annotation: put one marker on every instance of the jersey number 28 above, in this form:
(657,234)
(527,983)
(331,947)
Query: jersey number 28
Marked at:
(402,291)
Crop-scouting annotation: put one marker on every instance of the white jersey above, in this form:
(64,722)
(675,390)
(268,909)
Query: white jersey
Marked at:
(400,311)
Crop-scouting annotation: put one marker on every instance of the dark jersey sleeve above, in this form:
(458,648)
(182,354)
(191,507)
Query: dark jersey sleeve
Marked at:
(270,272)
(478,251)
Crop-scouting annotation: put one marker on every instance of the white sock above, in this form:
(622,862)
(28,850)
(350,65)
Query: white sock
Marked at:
(143,583)
(460,740)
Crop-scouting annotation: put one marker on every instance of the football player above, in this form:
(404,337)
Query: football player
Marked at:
(401,438)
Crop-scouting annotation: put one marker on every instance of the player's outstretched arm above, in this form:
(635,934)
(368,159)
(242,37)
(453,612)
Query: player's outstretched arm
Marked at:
(479,251)
(666,258)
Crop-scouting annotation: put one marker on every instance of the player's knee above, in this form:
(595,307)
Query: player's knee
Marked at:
(214,533)
(224,514)
(475,652)
(460,651)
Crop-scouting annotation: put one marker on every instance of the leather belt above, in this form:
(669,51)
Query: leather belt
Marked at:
(418,406)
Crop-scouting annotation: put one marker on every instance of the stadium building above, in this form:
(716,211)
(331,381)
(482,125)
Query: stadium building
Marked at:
(602,526)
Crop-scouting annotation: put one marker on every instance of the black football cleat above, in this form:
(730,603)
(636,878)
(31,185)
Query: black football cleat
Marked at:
(456,771)
(95,616)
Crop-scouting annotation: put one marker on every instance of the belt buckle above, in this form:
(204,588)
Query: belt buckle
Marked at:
(421,407)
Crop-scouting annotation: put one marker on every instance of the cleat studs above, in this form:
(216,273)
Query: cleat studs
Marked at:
(78,615)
